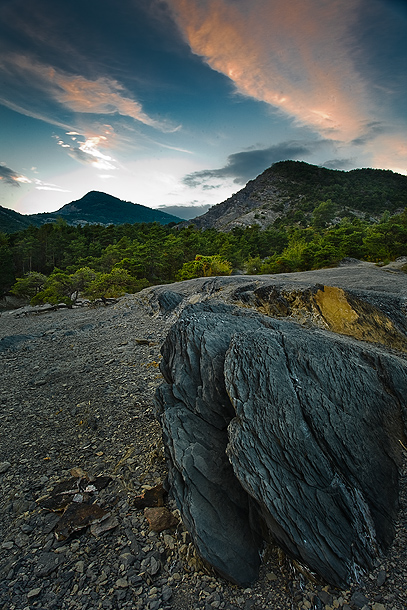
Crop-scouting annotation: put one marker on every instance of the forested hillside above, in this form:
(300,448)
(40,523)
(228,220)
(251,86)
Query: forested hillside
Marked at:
(291,190)
(93,208)
(56,262)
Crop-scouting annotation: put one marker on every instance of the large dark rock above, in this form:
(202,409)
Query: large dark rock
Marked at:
(315,423)
(195,411)
(316,443)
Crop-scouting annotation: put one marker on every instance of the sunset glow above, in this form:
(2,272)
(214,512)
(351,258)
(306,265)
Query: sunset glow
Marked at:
(181,103)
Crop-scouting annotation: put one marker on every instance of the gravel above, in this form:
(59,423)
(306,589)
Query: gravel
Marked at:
(77,403)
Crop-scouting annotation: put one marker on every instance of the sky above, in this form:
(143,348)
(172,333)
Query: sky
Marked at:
(176,104)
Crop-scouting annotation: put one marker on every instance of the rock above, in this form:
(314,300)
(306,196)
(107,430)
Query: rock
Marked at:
(160,519)
(320,463)
(168,300)
(127,559)
(150,497)
(359,600)
(78,516)
(122,583)
(378,606)
(381,577)
(4,466)
(48,562)
(195,411)
(34,593)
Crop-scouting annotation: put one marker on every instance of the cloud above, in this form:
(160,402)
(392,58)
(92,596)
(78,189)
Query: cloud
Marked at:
(339,164)
(370,132)
(88,151)
(297,56)
(100,96)
(10,177)
(187,212)
(246,165)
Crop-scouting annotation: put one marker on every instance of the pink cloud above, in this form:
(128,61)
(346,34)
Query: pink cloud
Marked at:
(81,95)
(293,55)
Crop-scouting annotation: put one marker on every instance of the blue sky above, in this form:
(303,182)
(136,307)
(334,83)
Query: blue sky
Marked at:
(179,103)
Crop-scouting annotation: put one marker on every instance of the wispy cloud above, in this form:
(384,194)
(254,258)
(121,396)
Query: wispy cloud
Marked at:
(10,177)
(80,95)
(296,56)
(88,151)
(245,165)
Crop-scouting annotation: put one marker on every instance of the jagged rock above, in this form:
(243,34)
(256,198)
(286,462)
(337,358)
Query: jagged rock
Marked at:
(150,497)
(160,518)
(316,443)
(195,412)
(313,439)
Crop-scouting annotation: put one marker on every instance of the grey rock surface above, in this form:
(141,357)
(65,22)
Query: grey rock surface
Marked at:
(316,442)
(195,411)
(314,436)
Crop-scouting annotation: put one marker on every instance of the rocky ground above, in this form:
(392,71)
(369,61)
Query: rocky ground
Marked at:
(77,403)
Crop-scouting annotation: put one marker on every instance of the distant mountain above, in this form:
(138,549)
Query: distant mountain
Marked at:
(291,190)
(93,208)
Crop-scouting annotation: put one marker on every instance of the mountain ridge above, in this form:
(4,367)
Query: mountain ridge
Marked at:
(291,190)
(95,207)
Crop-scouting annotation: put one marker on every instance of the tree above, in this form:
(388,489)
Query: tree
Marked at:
(114,284)
(204,266)
(323,214)
(7,277)
(29,285)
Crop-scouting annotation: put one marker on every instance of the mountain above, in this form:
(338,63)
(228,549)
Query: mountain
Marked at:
(11,221)
(291,190)
(94,208)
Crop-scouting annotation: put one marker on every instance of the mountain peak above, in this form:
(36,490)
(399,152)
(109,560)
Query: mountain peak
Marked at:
(291,190)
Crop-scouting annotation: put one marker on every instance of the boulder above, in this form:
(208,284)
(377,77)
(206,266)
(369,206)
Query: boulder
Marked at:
(195,410)
(316,442)
(267,421)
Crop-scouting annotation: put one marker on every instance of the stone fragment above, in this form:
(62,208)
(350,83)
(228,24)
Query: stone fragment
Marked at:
(127,559)
(160,518)
(381,577)
(4,466)
(359,600)
(122,583)
(48,562)
(34,593)
(78,516)
(150,497)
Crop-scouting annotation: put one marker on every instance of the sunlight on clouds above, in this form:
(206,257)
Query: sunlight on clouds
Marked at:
(88,152)
(392,155)
(294,56)
(102,95)
(12,178)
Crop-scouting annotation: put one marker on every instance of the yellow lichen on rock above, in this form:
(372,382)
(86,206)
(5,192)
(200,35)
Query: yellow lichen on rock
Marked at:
(348,315)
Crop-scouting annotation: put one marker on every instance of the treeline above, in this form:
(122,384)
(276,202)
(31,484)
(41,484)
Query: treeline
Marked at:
(368,190)
(58,260)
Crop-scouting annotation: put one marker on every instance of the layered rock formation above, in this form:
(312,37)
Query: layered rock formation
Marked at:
(282,429)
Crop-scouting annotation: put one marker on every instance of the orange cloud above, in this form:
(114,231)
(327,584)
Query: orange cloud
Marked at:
(292,55)
(390,152)
(81,95)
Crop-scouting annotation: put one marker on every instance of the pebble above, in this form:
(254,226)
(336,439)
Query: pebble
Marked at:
(4,466)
